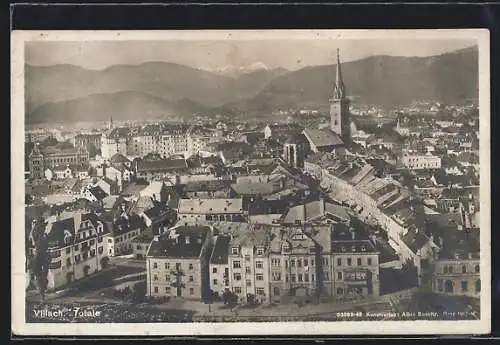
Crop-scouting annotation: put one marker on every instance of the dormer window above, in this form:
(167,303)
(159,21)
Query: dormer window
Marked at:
(260,251)
(234,250)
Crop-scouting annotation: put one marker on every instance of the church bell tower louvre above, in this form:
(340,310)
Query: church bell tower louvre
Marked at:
(339,107)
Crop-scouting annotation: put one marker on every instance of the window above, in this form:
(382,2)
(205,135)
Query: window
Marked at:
(214,270)
(68,262)
(286,263)
(92,253)
(299,263)
(191,291)
(191,278)
(464,269)
(276,276)
(312,262)
(75,248)
(339,275)
(156,289)
(249,283)
(178,266)
(92,242)
(155,277)
(300,277)
(167,289)
(450,269)
(260,251)
(236,264)
(312,277)
(110,240)
(167,265)
(464,286)
(259,264)
(478,286)
(260,291)
(325,274)
(190,266)
(286,278)
(306,277)
(359,261)
(448,286)
(440,285)
(292,262)
(476,268)
(259,276)
(234,251)
(77,258)
(214,282)
(306,262)
(167,277)
(248,270)
(68,250)
(349,262)
(237,289)
(369,261)
(237,276)
(293,278)
(100,250)
(155,265)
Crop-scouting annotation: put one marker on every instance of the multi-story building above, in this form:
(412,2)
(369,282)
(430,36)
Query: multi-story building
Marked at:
(77,247)
(41,159)
(173,141)
(355,263)
(114,141)
(299,264)
(177,263)
(124,231)
(419,162)
(157,169)
(219,265)
(457,267)
(198,138)
(249,264)
(84,140)
(200,210)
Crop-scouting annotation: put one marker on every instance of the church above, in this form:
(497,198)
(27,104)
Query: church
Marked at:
(335,138)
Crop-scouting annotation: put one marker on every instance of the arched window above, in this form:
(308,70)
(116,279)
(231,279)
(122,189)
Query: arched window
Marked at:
(448,286)
(464,269)
(276,291)
(476,268)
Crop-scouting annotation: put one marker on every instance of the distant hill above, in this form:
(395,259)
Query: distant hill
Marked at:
(383,80)
(69,93)
(125,105)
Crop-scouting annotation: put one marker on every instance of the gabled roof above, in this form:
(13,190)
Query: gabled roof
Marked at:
(322,138)
(118,158)
(181,242)
(98,192)
(210,206)
(415,239)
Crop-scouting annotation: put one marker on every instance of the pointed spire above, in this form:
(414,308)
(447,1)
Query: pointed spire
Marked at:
(339,89)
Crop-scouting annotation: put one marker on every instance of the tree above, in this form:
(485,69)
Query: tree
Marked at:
(41,258)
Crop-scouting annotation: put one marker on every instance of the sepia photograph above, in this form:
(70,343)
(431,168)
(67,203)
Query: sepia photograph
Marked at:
(250,182)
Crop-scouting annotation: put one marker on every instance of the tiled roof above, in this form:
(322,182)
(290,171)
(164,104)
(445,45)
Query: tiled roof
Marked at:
(181,242)
(124,225)
(221,250)
(322,138)
(255,188)
(119,158)
(98,192)
(210,206)
(161,165)
(207,186)
(415,239)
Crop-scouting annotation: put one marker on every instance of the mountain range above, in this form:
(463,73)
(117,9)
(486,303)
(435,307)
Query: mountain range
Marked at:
(68,93)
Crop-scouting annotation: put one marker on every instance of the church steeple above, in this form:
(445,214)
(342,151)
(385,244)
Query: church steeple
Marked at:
(110,126)
(339,88)
(339,107)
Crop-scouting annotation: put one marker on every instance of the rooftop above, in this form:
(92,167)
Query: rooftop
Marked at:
(180,242)
(322,138)
(221,250)
(210,206)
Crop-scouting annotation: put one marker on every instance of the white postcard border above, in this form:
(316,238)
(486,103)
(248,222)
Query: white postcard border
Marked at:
(18,276)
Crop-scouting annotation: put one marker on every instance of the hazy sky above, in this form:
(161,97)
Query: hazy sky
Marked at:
(290,54)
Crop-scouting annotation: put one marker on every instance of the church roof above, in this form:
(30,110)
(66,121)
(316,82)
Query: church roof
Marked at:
(322,138)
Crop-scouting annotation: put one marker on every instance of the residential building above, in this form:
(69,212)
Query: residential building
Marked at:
(114,141)
(355,263)
(248,265)
(219,265)
(83,140)
(418,162)
(124,230)
(77,246)
(159,168)
(199,210)
(177,263)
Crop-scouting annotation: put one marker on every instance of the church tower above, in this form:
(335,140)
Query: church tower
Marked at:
(110,125)
(339,107)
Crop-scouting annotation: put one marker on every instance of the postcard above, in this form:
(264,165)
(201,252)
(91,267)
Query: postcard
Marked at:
(250,182)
